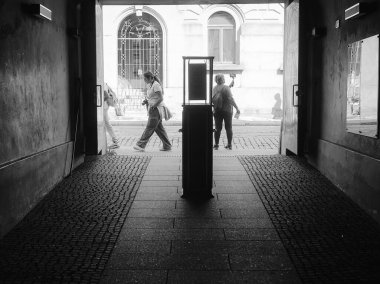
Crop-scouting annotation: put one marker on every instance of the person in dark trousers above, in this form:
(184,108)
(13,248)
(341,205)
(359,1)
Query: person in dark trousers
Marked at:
(224,103)
(157,111)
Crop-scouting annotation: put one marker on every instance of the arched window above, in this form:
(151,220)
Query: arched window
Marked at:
(139,49)
(221,37)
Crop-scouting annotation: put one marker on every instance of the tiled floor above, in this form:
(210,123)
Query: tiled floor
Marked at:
(228,239)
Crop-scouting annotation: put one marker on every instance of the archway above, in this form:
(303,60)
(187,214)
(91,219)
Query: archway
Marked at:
(139,49)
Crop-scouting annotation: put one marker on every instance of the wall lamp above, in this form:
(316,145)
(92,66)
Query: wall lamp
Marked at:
(355,11)
(41,11)
(317,32)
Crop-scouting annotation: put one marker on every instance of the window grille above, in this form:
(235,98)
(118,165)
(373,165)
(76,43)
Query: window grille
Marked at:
(139,50)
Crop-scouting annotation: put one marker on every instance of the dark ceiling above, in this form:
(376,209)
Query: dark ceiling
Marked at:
(185,2)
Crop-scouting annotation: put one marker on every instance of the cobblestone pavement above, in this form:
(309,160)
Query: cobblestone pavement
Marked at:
(68,237)
(328,237)
(239,142)
(251,140)
(260,145)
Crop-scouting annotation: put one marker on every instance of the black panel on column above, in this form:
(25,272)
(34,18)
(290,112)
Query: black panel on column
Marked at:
(197,81)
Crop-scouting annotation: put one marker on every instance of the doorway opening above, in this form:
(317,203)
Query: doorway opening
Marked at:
(246,40)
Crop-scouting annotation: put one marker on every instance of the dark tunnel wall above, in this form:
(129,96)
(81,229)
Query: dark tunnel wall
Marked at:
(350,161)
(36,113)
(35,107)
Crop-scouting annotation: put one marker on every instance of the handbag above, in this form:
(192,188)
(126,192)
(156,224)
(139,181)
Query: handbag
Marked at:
(118,110)
(167,114)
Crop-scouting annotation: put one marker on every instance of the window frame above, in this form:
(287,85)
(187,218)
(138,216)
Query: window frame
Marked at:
(221,28)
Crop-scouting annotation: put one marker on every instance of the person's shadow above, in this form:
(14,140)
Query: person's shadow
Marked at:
(276,109)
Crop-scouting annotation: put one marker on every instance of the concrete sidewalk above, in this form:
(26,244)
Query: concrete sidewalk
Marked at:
(228,239)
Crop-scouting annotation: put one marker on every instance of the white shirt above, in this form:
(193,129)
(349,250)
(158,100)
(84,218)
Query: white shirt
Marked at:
(151,93)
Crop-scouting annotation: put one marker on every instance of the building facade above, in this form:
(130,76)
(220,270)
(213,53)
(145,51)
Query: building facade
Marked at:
(245,40)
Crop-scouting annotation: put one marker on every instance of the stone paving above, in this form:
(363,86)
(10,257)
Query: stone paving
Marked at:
(238,142)
(121,219)
(251,140)
(228,239)
(327,236)
(69,236)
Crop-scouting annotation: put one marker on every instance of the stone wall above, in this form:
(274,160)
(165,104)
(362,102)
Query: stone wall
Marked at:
(35,106)
(350,161)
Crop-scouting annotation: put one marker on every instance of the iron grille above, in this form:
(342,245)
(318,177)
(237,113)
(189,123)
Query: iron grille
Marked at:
(139,50)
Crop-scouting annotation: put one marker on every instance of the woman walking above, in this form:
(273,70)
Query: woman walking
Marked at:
(223,110)
(156,112)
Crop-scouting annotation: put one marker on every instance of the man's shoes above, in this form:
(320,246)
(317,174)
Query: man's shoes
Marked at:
(138,148)
(165,149)
(216,147)
(228,147)
(114,146)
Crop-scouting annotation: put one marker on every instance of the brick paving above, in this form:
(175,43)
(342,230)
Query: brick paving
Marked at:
(328,237)
(68,237)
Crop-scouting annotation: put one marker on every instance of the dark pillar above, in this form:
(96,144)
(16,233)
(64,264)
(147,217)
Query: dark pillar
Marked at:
(197,128)
(197,151)
(89,76)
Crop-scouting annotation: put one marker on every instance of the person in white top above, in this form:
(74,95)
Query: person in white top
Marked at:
(109,96)
(156,112)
